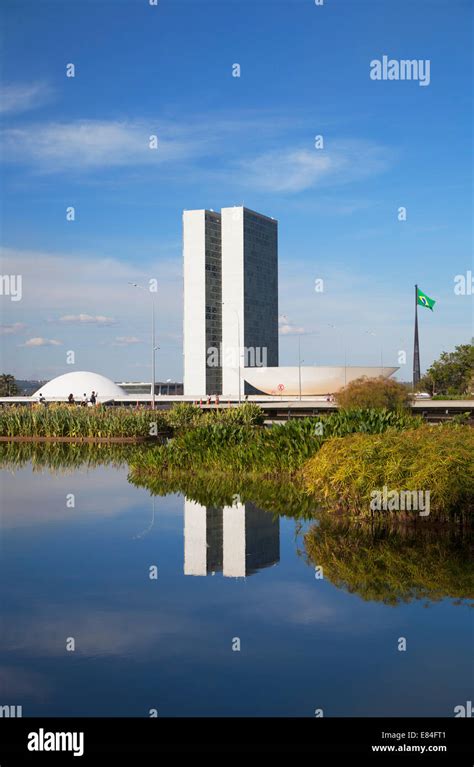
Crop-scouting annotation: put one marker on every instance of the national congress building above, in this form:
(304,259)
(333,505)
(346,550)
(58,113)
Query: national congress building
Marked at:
(230,298)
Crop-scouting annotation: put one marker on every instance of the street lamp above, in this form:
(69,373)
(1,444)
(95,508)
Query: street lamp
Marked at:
(153,347)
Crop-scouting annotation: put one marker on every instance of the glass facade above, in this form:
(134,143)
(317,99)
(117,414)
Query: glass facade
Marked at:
(213,260)
(261,288)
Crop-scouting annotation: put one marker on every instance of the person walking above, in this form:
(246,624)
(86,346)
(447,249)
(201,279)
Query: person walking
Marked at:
(70,399)
(93,398)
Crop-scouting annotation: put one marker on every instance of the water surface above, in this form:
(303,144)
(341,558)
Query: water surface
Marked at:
(77,548)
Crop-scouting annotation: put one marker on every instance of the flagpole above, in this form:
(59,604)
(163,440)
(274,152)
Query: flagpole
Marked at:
(416,346)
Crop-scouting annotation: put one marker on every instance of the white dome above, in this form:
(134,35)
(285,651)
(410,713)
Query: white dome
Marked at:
(78,384)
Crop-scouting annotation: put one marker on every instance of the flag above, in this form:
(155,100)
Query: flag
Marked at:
(423,300)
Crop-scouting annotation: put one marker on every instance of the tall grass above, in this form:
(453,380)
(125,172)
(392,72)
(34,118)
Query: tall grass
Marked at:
(60,420)
(345,472)
(76,421)
(184,416)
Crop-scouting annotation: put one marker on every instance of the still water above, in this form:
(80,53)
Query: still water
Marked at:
(77,546)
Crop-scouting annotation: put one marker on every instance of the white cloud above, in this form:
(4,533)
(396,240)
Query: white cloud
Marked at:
(126,340)
(38,341)
(91,144)
(21,97)
(86,319)
(184,149)
(297,169)
(287,328)
(13,329)
(65,284)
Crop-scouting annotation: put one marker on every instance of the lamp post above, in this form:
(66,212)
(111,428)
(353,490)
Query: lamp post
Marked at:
(153,347)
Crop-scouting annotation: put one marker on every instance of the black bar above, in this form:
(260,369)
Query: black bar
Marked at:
(134,737)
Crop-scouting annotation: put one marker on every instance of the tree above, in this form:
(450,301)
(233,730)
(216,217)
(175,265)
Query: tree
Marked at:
(8,387)
(374,392)
(452,373)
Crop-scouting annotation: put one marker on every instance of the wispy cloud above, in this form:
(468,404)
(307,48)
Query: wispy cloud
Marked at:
(297,169)
(21,97)
(268,159)
(38,341)
(91,144)
(13,329)
(86,319)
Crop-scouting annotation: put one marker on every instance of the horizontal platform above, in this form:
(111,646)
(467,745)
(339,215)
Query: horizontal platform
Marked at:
(276,404)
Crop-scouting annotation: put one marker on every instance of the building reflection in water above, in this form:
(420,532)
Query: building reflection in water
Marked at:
(236,540)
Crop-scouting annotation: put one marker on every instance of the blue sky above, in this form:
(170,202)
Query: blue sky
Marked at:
(166,70)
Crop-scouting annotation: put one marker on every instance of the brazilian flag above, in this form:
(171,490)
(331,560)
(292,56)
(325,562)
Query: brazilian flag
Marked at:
(423,300)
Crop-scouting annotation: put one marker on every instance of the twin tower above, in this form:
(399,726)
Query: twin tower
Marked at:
(230,298)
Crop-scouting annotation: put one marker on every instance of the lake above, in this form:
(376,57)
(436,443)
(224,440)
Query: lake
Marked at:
(238,620)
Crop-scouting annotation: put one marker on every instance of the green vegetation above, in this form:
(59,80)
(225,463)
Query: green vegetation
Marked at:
(233,448)
(79,422)
(184,416)
(394,564)
(379,392)
(386,559)
(345,472)
(452,375)
(337,460)
(61,420)
(8,386)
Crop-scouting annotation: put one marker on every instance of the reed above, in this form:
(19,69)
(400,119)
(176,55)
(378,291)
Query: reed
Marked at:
(80,422)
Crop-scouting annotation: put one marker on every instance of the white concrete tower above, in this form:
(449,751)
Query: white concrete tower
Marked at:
(202,301)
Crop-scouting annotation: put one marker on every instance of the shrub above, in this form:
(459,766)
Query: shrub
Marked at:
(344,473)
(374,393)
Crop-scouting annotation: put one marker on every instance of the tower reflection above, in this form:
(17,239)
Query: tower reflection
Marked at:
(236,540)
